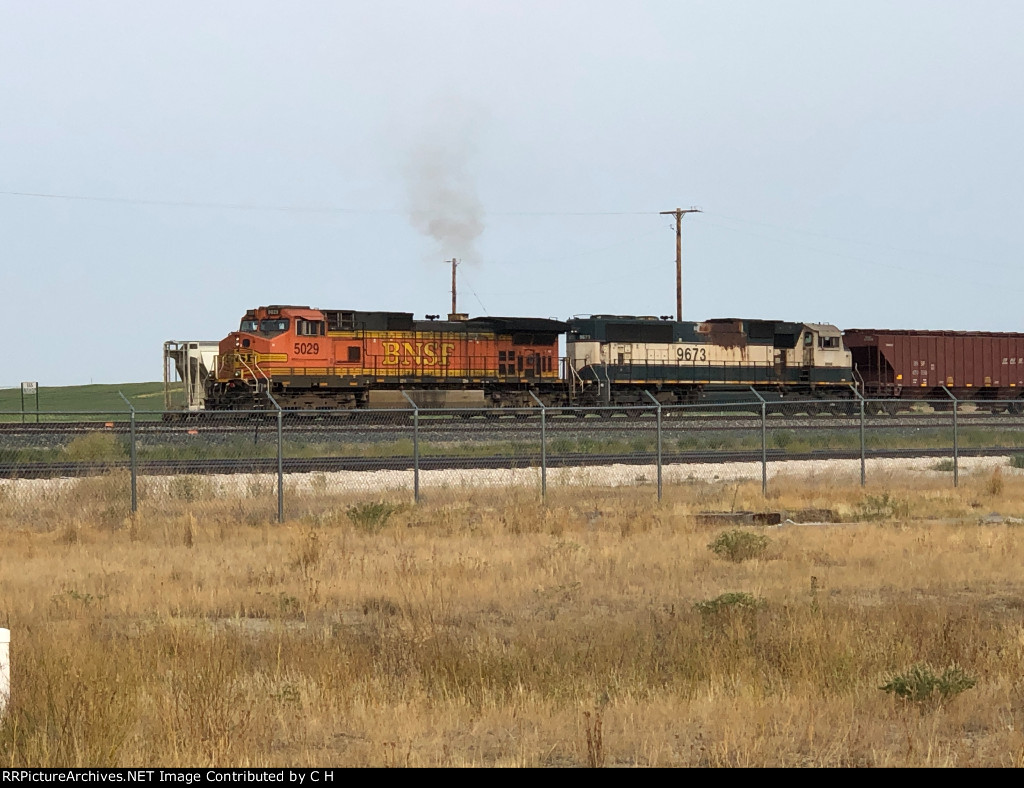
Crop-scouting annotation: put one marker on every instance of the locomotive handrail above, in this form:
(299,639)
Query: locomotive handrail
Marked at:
(574,376)
(856,375)
(266,377)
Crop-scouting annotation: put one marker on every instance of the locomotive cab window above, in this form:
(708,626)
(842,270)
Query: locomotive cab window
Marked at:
(249,326)
(828,343)
(272,327)
(808,339)
(309,328)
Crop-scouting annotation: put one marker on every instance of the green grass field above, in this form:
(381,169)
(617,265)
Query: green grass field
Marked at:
(97,397)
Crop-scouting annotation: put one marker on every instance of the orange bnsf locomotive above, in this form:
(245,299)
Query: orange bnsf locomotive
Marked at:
(321,358)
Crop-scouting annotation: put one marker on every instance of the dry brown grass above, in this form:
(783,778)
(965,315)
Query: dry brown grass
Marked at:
(487,629)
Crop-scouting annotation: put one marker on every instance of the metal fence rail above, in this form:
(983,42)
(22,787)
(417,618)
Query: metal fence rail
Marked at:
(294,461)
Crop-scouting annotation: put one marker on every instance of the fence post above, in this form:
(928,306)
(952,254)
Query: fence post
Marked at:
(956,439)
(863,470)
(135,469)
(415,448)
(543,448)
(280,457)
(5,668)
(658,404)
(764,441)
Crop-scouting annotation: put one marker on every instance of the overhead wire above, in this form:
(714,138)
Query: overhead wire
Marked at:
(287,208)
(311,209)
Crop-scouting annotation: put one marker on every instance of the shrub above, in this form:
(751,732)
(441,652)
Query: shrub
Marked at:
(95,447)
(734,601)
(782,438)
(371,517)
(921,685)
(739,545)
(943,465)
(1017,461)
(189,488)
(883,507)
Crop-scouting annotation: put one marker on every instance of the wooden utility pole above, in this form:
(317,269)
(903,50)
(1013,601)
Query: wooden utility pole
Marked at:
(455,264)
(679,213)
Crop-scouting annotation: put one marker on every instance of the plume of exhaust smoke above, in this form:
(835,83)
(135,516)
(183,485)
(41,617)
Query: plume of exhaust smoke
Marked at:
(443,202)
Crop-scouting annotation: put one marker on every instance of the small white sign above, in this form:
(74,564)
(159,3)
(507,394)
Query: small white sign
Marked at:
(29,388)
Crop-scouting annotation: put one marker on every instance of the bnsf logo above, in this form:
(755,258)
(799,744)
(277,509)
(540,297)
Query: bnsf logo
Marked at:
(407,354)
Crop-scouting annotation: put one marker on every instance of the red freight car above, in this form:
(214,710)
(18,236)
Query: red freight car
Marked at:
(973,365)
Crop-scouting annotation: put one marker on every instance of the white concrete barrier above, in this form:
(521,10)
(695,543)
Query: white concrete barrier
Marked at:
(5,668)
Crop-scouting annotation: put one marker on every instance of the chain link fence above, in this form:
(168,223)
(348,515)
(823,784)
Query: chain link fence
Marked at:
(272,464)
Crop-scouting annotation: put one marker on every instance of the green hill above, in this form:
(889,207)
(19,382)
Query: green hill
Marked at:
(98,398)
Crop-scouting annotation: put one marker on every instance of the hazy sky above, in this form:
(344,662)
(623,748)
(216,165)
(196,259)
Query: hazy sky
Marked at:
(857,163)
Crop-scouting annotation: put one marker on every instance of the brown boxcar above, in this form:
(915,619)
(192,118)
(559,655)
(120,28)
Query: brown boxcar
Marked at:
(973,365)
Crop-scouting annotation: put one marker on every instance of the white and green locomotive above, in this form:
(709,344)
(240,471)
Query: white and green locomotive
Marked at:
(615,359)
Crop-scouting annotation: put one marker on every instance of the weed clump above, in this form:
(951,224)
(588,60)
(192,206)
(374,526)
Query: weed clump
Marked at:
(733,601)
(921,685)
(307,552)
(189,488)
(737,545)
(883,507)
(1017,461)
(96,447)
(371,517)
(994,485)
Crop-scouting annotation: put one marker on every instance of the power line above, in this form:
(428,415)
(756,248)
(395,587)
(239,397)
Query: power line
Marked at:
(842,239)
(193,204)
(288,208)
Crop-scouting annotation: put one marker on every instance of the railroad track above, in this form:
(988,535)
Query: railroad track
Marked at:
(459,426)
(50,470)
